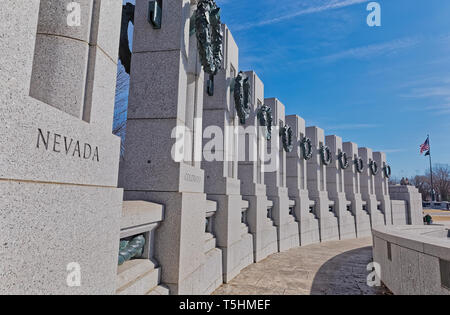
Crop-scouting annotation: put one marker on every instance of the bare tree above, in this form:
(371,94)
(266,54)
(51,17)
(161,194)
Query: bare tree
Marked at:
(394,181)
(441,180)
(121,104)
(422,183)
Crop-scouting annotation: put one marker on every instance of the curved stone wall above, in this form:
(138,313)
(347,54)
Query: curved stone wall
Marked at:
(413,259)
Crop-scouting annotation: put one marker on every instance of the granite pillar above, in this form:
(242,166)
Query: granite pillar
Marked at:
(382,186)
(352,180)
(368,189)
(336,189)
(163,146)
(221,183)
(296,181)
(317,186)
(251,174)
(277,191)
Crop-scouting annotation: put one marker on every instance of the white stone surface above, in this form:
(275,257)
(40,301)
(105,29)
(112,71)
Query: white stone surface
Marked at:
(61,85)
(352,180)
(58,173)
(137,277)
(317,186)
(336,190)
(136,213)
(400,213)
(46,227)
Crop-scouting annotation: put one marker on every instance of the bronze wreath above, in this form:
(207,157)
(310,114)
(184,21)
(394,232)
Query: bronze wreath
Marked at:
(286,138)
(209,35)
(325,154)
(306,146)
(266,119)
(387,170)
(242,95)
(359,164)
(343,160)
(373,166)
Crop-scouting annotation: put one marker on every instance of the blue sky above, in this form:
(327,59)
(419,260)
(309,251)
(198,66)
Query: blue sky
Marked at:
(382,87)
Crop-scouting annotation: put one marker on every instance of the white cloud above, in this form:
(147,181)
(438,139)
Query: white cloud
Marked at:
(352,126)
(391,150)
(443,90)
(363,52)
(372,50)
(330,5)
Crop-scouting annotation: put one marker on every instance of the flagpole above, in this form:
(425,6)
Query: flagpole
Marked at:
(431,170)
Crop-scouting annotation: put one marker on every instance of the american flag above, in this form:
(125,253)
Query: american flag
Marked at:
(425,147)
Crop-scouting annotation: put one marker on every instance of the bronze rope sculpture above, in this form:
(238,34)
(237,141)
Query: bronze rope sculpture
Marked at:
(131,249)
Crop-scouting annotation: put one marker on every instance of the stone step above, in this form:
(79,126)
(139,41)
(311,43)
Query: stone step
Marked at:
(291,219)
(245,205)
(313,216)
(269,222)
(141,285)
(131,270)
(291,204)
(210,242)
(244,229)
(159,290)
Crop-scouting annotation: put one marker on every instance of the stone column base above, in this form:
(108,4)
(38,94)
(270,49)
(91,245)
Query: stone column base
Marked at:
(233,237)
(328,221)
(46,228)
(308,223)
(264,233)
(376,216)
(287,229)
(346,219)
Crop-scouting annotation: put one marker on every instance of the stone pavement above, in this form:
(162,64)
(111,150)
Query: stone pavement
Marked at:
(336,267)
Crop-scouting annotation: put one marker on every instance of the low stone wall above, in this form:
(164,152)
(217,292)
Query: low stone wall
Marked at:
(413,259)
